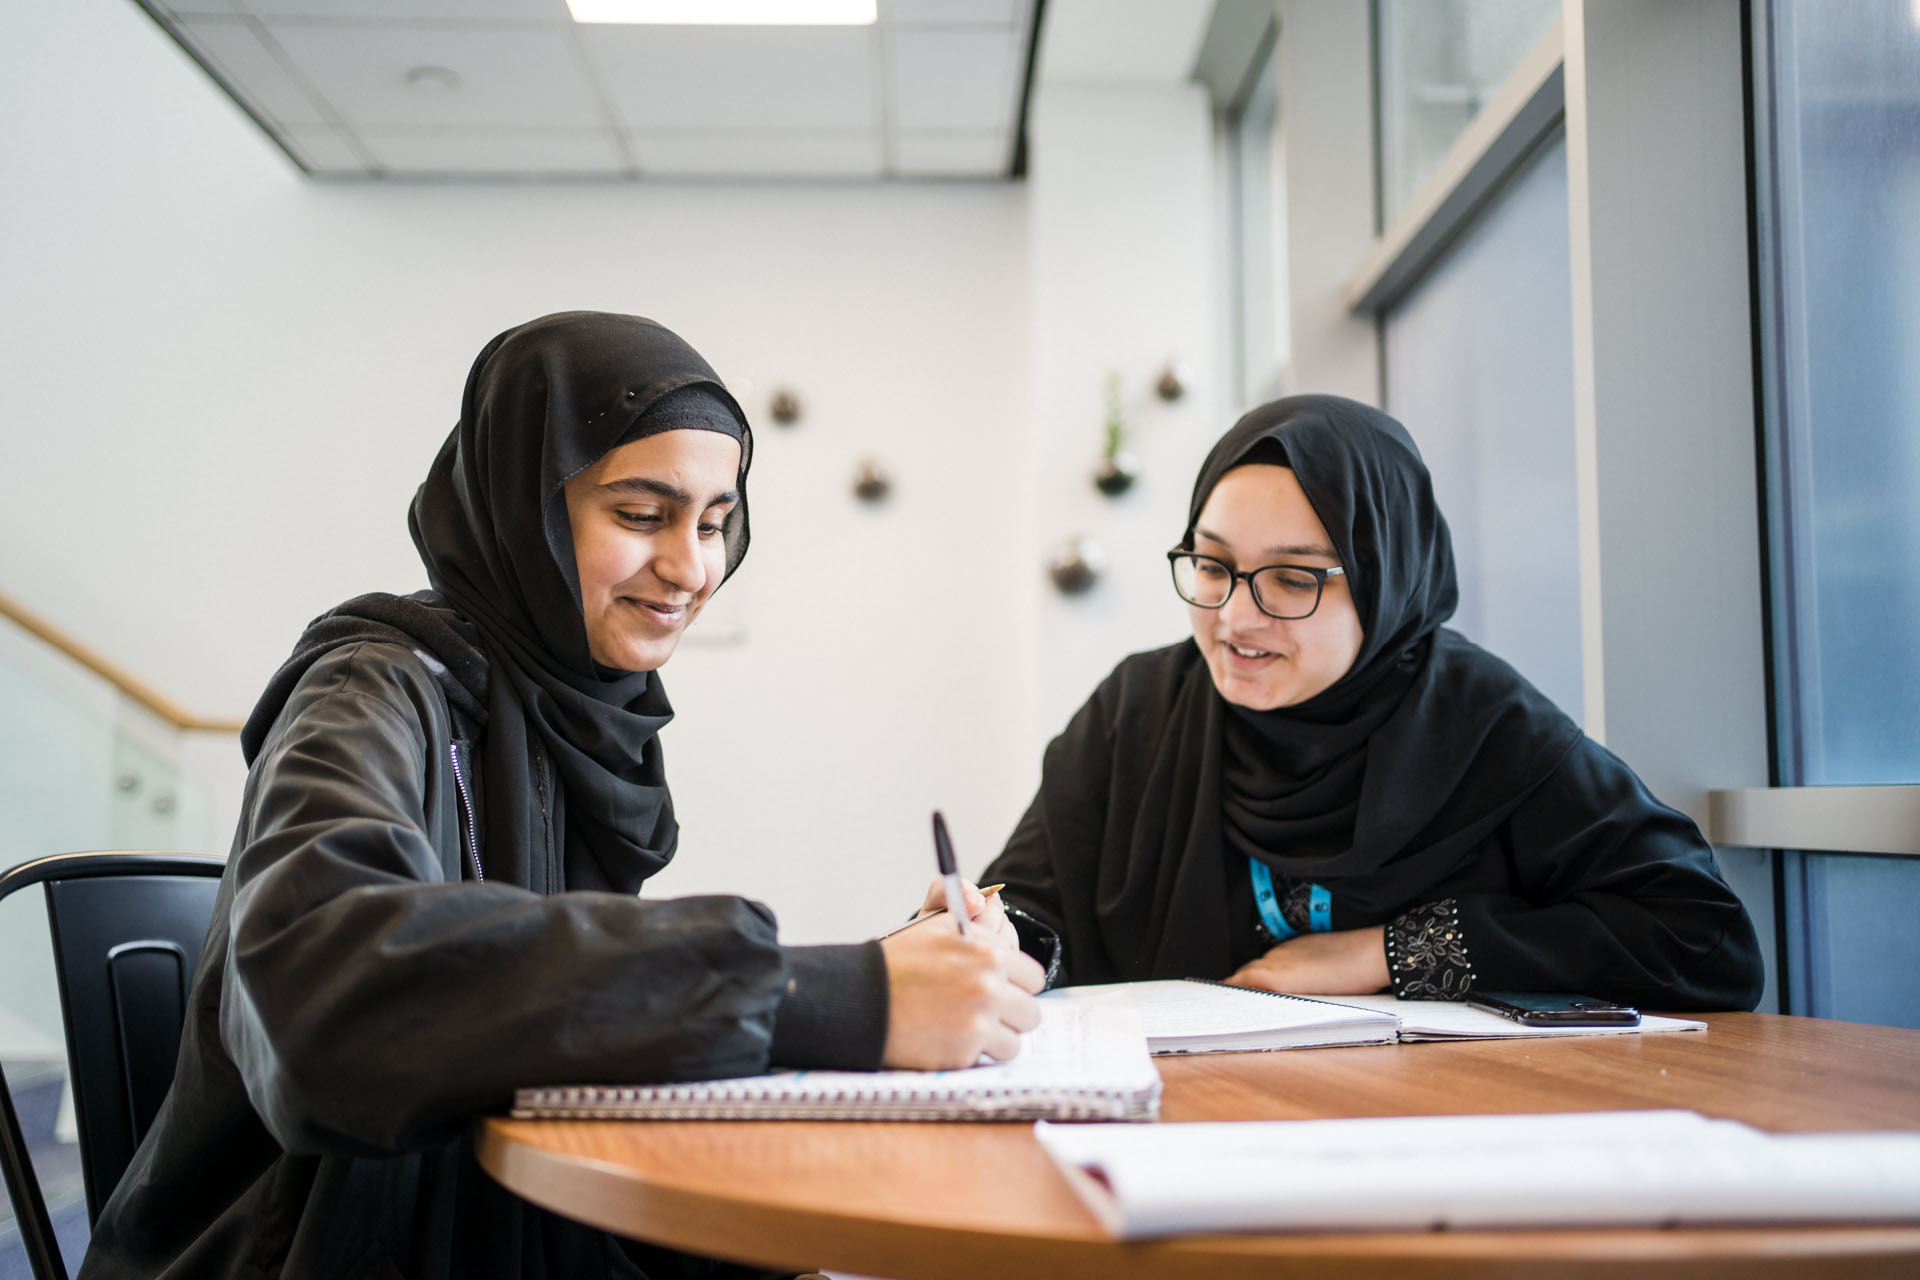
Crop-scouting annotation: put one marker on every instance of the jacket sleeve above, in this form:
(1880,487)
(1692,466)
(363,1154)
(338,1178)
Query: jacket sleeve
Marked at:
(371,1006)
(1614,895)
(1069,810)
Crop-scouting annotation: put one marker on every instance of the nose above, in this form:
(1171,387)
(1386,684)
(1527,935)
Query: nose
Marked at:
(1240,613)
(677,560)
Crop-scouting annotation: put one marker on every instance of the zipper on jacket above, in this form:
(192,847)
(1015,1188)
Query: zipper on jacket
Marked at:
(466,811)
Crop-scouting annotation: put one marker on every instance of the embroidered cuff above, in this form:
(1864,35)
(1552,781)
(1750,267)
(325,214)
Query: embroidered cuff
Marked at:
(1427,955)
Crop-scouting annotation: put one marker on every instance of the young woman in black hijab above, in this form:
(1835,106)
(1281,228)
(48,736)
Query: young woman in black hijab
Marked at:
(453,799)
(1326,791)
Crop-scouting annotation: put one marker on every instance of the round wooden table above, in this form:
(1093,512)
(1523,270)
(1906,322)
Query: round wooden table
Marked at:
(974,1201)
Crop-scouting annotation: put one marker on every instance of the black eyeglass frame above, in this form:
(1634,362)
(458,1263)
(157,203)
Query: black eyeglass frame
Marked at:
(1320,576)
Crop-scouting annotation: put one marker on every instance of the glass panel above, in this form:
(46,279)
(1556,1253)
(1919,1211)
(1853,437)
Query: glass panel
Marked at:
(1843,302)
(1860,950)
(81,767)
(1479,362)
(1261,236)
(1838,180)
(1439,61)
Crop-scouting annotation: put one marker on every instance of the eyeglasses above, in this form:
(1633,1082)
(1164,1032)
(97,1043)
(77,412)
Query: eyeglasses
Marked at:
(1286,591)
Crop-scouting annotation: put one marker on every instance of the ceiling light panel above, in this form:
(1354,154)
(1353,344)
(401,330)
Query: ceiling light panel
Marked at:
(506,78)
(737,78)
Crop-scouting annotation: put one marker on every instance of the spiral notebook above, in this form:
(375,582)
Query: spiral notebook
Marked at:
(1087,1060)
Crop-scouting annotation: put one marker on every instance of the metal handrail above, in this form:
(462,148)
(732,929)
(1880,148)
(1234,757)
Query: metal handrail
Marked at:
(153,700)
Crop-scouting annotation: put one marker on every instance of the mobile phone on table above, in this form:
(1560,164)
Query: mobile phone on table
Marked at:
(1531,1009)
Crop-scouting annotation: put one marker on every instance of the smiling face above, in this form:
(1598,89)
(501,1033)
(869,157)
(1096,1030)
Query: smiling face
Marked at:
(1258,515)
(647,541)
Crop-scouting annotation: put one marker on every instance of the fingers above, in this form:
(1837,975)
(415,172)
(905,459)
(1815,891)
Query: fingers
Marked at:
(1259,975)
(951,999)
(1014,1010)
(1024,972)
(936,899)
(991,920)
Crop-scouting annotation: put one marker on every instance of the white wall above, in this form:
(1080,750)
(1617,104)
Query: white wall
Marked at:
(1326,119)
(1123,280)
(224,381)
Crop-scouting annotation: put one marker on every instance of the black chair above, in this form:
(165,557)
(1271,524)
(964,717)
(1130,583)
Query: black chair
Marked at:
(126,929)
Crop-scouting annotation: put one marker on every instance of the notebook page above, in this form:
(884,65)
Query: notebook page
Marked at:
(1416,1173)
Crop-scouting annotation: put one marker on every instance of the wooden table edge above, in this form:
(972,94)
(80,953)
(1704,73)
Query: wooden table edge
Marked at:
(614,1198)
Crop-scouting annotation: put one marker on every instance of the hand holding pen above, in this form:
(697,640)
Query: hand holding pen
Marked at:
(956,991)
(979,910)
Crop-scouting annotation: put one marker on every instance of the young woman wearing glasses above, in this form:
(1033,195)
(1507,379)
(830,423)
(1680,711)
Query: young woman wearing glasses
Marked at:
(1326,791)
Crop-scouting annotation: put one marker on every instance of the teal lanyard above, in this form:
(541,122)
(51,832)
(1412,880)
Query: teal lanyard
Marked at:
(1319,905)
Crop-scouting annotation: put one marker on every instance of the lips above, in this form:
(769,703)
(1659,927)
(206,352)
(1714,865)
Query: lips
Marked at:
(1244,660)
(667,615)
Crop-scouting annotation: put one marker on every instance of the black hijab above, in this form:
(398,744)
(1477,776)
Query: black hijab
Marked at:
(1380,787)
(1384,782)
(543,402)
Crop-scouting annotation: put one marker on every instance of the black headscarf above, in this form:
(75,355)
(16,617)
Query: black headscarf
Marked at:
(543,402)
(1380,787)
(1386,780)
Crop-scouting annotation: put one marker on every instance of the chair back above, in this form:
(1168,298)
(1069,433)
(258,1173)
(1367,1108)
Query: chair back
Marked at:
(127,930)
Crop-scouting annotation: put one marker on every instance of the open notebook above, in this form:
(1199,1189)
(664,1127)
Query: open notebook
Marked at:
(1603,1168)
(1086,1061)
(1186,1016)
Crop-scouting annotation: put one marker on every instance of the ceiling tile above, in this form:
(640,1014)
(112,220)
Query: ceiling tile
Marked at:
(200,8)
(954,79)
(853,155)
(324,152)
(552,154)
(235,51)
(1115,41)
(667,78)
(952,155)
(516,79)
(440,10)
(1000,12)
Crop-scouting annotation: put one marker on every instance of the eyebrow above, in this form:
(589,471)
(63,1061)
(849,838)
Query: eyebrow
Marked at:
(1292,549)
(671,492)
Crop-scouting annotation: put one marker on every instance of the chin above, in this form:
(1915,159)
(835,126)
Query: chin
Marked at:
(648,655)
(1268,696)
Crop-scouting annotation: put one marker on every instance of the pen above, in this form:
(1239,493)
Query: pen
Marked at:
(956,892)
(986,891)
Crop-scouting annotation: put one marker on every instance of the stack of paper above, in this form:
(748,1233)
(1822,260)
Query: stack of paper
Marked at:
(1184,1016)
(1642,1168)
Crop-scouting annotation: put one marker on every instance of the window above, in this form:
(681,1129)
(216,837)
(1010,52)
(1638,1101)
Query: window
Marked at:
(1439,60)
(1479,366)
(1838,180)
(1260,234)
